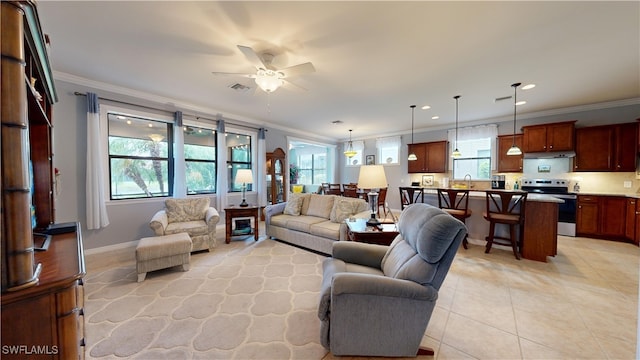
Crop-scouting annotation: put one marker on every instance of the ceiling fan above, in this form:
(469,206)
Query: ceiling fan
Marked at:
(267,77)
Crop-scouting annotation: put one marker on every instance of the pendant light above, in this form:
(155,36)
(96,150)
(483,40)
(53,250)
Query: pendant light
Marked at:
(514,150)
(456,153)
(350,152)
(412,155)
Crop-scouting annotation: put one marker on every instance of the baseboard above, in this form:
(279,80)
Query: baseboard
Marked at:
(111,248)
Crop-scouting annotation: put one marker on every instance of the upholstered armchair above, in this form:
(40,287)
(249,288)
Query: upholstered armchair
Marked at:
(377,300)
(192,215)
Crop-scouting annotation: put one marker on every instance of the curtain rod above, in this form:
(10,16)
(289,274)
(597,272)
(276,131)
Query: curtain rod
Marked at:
(77,93)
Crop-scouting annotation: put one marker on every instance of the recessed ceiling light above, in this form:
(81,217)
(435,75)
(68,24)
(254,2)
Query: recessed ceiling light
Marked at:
(528,86)
(521,103)
(435,117)
(426,107)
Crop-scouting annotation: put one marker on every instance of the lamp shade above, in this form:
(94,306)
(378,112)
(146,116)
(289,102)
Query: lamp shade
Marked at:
(372,177)
(244,176)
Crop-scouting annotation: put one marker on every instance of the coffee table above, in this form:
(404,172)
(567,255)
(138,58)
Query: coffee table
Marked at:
(239,212)
(360,232)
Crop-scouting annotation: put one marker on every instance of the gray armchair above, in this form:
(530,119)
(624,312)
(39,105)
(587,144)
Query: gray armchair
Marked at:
(377,300)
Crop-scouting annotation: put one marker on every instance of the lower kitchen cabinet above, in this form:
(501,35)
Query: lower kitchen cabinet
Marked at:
(602,217)
(633,221)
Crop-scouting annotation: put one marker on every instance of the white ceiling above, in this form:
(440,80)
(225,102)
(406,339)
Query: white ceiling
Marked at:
(373,59)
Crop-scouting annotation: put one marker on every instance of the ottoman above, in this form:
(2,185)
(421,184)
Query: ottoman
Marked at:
(161,252)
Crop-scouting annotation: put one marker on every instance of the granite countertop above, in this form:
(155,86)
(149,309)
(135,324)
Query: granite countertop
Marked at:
(481,194)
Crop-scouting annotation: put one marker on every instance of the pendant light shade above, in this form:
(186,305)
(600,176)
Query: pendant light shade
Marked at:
(514,150)
(412,155)
(350,152)
(456,153)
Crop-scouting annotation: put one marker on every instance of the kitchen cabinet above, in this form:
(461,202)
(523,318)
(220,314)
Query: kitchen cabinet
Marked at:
(432,157)
(549,137)
(606,148)
(632,232)
(602,217)
(509,163)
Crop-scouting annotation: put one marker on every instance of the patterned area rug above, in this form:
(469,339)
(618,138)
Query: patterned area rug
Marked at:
(245,300)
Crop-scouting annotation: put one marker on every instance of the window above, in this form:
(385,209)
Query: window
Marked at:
(357,159)
(140,160)
(314,162)
(239,157)
(200,159)
(388,150)
(477,145)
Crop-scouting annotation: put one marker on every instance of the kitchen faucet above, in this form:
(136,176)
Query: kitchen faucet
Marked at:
(468,181)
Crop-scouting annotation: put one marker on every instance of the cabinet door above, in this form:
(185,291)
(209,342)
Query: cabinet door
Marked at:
(613,216)
(418,166)
(630,223)
(437,157)
(509,163)
(626,149)
(535,138)
(587,215)
(560,137)
(594,146)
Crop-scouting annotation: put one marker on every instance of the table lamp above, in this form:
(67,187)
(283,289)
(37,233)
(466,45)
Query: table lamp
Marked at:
(372,177)
(244,176)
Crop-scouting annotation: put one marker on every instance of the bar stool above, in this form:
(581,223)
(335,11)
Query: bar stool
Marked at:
(505,207)
(456,203)
(410,195)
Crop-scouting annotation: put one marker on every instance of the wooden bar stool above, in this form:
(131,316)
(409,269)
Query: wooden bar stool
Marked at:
(456,203)
(505,207)
(410,195)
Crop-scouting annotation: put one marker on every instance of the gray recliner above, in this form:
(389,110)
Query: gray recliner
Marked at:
(377,300)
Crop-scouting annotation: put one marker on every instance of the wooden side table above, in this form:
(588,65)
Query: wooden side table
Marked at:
(238,212)
(358,231)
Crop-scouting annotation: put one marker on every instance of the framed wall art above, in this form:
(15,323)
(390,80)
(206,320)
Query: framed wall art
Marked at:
(370,160)
(427,180)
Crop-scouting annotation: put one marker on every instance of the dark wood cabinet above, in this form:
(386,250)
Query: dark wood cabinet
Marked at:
(509,163)
(602,217)
(432,157)
(606,148)
(549,137)
(42,296)
(276,179)
(631,226)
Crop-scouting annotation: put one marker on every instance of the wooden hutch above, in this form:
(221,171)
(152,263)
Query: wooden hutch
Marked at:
(42,293)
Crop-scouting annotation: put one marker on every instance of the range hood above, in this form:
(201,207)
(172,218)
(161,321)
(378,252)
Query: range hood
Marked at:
(550,155)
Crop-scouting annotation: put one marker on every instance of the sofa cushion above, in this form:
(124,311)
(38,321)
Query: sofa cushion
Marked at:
(190,209)
(320,205)
(326,229)
(193,228)
(303,223)
(294,204)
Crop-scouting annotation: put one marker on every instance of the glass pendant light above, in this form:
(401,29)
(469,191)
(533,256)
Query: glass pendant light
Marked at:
(456,153)
(350,152)
(514,150)
(412,155)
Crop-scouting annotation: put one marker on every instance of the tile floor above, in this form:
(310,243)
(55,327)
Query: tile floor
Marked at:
(582,304)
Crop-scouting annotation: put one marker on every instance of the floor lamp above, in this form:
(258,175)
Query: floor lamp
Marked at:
(372,177)
(244,177)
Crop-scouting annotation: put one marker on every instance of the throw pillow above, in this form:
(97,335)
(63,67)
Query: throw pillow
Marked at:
(342,210)
(294,204)
(320,205)
(297,189)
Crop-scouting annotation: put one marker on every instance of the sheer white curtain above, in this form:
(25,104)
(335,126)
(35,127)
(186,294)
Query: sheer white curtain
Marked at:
(261,168)
(180,174)
(97,216)
(221,163)
(472,133)
(385,145)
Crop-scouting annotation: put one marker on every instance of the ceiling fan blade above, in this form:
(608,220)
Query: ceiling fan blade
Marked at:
(253,57)
(291,86)
(218,73)
(297,70)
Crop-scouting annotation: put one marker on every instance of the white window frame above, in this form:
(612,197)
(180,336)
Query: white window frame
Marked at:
(390,142)
(254,155)
(358,158)
(489,131)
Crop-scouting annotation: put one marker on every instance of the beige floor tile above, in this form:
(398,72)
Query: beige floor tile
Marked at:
(487,310)
(535,351)
(437,323)
(447,352)
(480,340)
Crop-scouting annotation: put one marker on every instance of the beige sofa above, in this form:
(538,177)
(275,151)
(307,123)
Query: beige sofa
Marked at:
(313,221)
(192,215)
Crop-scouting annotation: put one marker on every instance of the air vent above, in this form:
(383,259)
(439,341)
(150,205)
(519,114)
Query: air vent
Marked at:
(239,87)
(502,98)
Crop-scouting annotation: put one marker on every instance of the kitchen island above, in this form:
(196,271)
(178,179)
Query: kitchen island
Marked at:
(540,225)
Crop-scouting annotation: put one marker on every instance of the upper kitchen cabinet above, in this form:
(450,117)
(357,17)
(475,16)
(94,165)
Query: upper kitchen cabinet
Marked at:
(549,137)
(606,148)
(509,163)
(432,157)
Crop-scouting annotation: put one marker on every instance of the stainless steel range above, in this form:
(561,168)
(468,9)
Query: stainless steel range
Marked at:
(558,188)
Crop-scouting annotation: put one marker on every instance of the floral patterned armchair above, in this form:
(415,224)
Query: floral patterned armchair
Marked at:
(192,215)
